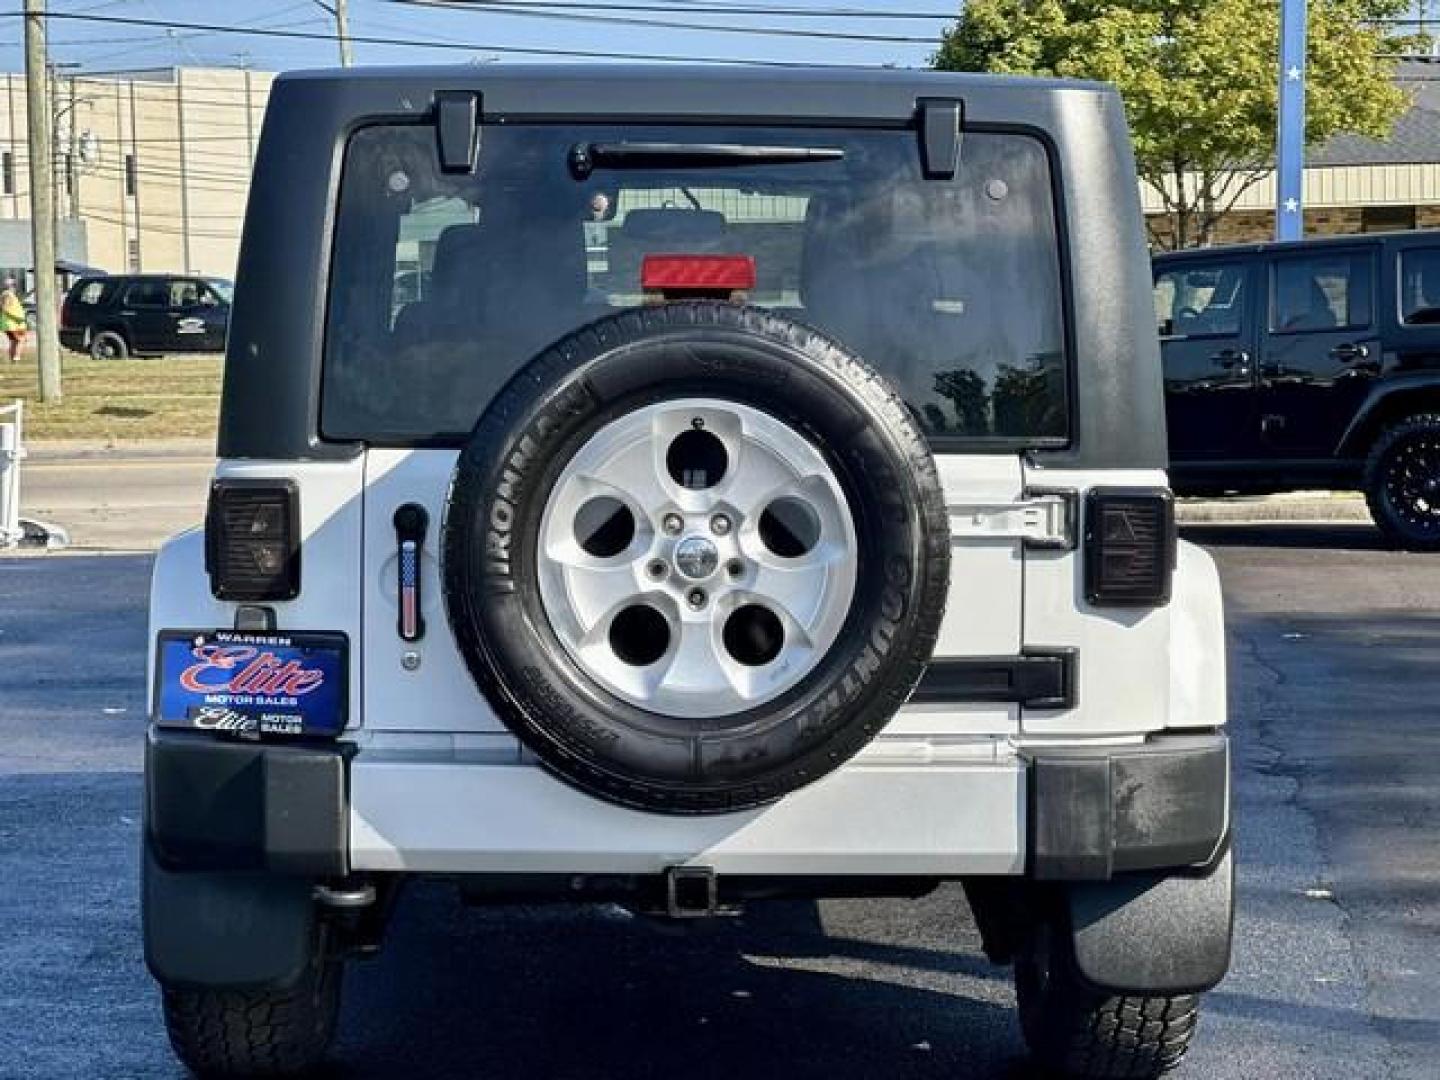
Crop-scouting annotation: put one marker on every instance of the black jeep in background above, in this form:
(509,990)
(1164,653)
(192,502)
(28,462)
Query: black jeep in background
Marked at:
(1308,365)
(145,314)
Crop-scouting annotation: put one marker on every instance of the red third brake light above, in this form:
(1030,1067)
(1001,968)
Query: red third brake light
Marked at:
(692,274)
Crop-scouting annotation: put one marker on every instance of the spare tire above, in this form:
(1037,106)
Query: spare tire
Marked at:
(695,555)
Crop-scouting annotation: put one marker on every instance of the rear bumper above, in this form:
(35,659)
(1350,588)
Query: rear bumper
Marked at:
(1078,814)
(74,340)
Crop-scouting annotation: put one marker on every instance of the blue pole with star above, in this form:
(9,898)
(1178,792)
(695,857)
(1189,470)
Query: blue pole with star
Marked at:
(1290,134)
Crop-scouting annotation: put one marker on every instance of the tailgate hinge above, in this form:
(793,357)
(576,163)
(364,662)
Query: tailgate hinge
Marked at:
(1040,520)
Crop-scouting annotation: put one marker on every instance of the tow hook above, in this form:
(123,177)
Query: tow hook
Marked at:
(691,892)
(345,897)
(354,914)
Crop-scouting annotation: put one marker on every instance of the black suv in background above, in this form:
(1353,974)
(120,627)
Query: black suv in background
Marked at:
(145,314)
(1308,365)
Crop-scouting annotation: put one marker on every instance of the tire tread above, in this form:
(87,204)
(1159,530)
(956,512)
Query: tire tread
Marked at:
(254,1033)
(1076,1030)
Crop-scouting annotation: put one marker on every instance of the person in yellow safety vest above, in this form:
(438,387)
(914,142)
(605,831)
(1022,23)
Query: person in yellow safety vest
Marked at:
(12,317)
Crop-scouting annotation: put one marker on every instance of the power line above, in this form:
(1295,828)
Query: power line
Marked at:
(710,8)
(167,230)
(177,40)
(453,46)
(526,11)
(161,177)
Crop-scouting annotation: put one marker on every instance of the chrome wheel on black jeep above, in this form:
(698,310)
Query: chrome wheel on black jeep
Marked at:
(1402,482)
(697,556)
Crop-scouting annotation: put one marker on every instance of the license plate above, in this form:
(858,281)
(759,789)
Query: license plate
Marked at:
(252,684)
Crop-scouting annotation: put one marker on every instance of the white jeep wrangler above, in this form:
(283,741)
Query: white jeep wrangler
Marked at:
(677,487)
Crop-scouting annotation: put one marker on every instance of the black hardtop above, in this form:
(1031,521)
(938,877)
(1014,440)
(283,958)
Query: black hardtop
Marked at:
(270,404)
(128,279)
(1399,237)
(712,91)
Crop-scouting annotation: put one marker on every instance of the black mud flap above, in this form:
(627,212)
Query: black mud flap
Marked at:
(1153,933)
(226,929)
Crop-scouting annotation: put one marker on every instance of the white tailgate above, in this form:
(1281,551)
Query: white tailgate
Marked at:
(1123,684)
(982,617)
(439,694)
(329,495)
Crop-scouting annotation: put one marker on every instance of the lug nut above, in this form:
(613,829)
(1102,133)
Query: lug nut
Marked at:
(672,524)
(696,599)
(657,569)
(720,525)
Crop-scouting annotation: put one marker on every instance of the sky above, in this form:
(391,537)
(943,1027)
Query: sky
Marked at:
(483,32)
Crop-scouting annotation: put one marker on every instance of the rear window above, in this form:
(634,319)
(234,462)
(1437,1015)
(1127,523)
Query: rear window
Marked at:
(1207,301)
(443,286)
(1420,286)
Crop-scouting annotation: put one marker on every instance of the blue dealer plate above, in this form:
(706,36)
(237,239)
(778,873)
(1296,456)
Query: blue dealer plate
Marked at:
(256,684)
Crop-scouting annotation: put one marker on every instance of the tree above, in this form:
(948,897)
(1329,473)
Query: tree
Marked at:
(1199,81)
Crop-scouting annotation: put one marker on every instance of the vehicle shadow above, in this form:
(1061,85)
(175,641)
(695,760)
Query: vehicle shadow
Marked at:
(595,992)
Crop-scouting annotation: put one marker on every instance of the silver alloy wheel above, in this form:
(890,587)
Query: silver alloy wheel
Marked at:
(697,557)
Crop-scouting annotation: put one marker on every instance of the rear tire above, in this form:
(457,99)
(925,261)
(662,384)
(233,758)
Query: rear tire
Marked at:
(108,345)
(255,1033)
(1402,482)
(1079,1031)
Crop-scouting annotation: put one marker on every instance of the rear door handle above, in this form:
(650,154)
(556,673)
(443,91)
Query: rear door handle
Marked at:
(411,521)
(1350,351)
(1232,359)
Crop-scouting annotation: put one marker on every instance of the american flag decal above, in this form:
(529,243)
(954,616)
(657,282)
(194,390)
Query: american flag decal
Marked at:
(411,521)
(409,591)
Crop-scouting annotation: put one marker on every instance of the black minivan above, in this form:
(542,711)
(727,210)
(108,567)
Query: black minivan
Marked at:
(1310,364)
(145,314)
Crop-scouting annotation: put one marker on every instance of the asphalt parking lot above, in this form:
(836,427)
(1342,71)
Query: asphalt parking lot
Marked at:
(1335,687)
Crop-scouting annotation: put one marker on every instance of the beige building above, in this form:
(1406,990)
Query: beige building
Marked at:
(1353,184)
(152,167)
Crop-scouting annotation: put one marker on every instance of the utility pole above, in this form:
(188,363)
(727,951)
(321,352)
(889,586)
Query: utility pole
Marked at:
(338,9)
(243,59)
(42,201)
(72,154)
(1290,136)
(57,174)
(342,31)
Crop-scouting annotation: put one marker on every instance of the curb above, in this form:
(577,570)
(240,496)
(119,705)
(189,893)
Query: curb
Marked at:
(79,451)
(1324,507)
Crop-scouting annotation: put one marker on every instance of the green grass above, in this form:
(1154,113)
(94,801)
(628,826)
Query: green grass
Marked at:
(107,400)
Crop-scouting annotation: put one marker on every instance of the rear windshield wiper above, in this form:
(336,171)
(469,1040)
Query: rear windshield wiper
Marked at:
(585,158)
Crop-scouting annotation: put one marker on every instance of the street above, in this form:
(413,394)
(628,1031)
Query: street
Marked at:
(126,501)
(1334,684)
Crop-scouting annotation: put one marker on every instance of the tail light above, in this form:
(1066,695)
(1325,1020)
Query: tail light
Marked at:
(65,312)
(1129,546)
(252,540)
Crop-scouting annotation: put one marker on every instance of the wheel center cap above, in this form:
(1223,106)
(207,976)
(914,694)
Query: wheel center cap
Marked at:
(696,557)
